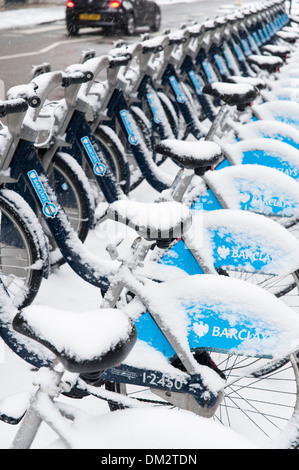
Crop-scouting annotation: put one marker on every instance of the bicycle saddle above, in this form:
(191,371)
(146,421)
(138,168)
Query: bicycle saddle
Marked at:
(287,36)
(83,341)
(233,94)
(257,82)
(152,221)
(190,155)
(266,62)
(279,51)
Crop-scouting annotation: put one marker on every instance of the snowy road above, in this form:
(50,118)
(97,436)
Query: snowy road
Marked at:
(39,38)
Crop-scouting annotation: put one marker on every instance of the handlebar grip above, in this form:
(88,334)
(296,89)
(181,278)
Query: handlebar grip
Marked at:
(178,41)
(76,78)
(152,49)
(17,105)
(119,61)
(34,101)
(194,34)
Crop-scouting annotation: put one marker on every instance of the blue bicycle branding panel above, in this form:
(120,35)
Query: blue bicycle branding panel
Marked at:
(217,313)
(209,71)
(254,188)
(180,95)
(154,105)
(229,252)
(49,209)
(98,167)
(259,156)
(196,82)
(129,125)
(210,327)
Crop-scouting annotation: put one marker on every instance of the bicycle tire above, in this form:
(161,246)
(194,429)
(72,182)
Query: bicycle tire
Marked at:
(260,405)
(75,196)
(23,249)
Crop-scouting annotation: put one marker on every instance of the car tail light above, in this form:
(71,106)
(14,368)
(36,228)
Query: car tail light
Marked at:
(70,4)
(114,4)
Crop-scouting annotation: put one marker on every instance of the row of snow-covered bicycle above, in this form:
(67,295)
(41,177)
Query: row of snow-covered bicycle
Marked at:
(200,310)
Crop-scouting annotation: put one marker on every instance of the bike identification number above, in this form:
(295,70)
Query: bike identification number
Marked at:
(161,380)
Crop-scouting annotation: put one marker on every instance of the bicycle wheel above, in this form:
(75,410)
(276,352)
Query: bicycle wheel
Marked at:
(259,406)
(283,287)
(23,249)
(74,195)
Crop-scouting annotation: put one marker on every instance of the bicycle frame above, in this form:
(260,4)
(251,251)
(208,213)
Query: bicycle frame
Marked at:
(155,328)
(199,388)
(214,199)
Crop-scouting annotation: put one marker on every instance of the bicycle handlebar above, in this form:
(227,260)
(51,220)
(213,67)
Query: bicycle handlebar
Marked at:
(26,92)
(16,105)
(152,49)
(119,61)
(177,41)
(76,78)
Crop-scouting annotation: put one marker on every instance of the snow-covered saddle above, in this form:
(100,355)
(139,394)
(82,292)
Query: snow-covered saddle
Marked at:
(255,81)
(152,221)
(280,51)
(270,63)
(84,342)
(190,155)
(233,94)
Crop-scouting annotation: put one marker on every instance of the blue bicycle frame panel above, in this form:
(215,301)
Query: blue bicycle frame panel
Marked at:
(84,145)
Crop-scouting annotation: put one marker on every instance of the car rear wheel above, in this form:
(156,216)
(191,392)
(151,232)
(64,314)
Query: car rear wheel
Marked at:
(157,21)
(72,28)
(131,25)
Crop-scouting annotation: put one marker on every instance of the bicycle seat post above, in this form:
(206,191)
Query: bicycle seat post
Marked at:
(218,121)
(133,258)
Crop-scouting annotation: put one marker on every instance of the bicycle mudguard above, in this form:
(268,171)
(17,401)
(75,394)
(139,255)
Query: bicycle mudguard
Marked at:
(217,313)
(266,152)
(255,188)
(242,241)
(279,110)
(268,129)
(235,240)
(285,94)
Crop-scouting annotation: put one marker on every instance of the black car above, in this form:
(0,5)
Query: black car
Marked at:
(112,15)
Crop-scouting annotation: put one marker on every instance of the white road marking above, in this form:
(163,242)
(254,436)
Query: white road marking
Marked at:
(42,51)
(43,29)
